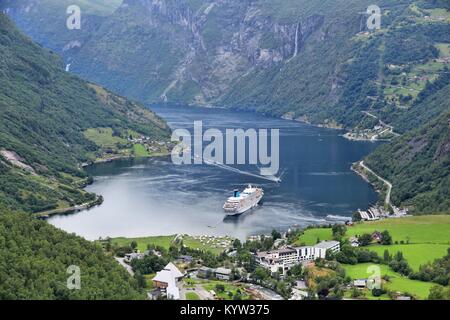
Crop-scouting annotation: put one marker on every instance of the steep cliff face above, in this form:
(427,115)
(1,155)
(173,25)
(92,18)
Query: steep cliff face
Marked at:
(302,59)
(184,51)
(202,47)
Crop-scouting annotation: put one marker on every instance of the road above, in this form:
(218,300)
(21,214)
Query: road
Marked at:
(121,261)
(263,293)
(387,201)
(391,128)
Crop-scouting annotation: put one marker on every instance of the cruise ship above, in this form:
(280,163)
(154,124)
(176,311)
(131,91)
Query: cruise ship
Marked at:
(243,201)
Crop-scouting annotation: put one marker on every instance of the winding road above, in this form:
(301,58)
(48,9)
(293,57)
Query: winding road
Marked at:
(387,201)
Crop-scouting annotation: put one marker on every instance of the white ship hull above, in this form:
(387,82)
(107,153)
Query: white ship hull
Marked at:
(241,203)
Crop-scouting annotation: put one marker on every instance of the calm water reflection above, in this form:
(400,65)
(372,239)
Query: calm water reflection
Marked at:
(155,197)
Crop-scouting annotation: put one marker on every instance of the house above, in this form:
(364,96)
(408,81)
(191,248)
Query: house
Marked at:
(360,283)
(376,236)
(222,273)
(131,256)
(167,279)
(205,272)
(354,242)
(186,259)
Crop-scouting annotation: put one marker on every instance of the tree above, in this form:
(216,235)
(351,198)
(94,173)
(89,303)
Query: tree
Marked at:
(356,293)
(220,288)
(133,245)
(276,235)
(386,238)
(377,292)
(260,274)
(283,289)
(386,256)
(237,244)
(356,217)
(140,280)
(439,293)
(296,271)
(339,231)
(329,255)
(365,240)
(400,265)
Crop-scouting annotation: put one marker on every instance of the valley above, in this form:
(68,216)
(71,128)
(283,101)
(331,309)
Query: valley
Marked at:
(87,181)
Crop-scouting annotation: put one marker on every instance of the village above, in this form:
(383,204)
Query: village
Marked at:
(187,277)
(266,267)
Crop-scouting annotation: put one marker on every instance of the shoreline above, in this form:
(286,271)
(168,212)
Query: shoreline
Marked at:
(98,201)
(70,210)
(316,125)
(101,161)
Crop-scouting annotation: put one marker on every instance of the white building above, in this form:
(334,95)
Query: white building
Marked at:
(131,256)
(324,246)
(223,273)
(167,280)
(284,259)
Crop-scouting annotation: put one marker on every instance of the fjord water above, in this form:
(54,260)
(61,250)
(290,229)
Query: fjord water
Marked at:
(146,197)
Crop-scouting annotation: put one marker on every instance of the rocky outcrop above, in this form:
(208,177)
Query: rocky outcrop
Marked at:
(223,41)
(205,47)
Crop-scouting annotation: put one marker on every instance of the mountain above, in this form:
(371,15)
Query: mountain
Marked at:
(52,122)
(307,60)
(418,166)
(310,60)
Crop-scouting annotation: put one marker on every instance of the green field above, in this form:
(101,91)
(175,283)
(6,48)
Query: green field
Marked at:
(103,137)
(167,241)
(310,236)
(140,151)
(415,254)
(160,241)
(425,238)
(417,229)
(396,283)
(192,296)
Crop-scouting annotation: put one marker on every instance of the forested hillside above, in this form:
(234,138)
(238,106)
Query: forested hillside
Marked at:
(309,60)
(418,165)
(306,60)
(35,257)
(45,121)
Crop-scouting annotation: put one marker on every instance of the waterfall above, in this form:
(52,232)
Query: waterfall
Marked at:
(296,40)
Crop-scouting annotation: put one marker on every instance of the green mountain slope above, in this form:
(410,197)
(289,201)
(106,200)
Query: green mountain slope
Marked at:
(35,257)
(309,60)
(47,115)
(418,166)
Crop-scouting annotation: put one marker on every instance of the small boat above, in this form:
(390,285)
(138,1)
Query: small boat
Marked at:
(243,201)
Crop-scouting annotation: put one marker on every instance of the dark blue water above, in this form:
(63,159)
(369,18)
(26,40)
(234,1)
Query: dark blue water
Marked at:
(156,197)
